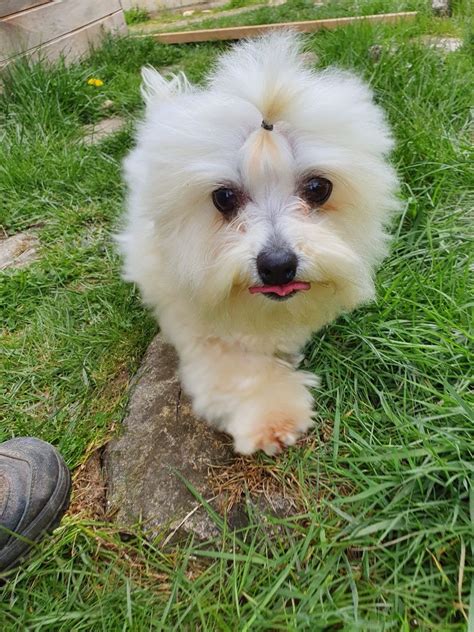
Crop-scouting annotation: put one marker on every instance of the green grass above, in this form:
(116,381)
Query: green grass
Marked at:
(136,16)
(300,10)
(292,10)
(239,4)
(384,536)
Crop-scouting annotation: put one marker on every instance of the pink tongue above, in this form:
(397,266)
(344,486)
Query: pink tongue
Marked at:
(281,290)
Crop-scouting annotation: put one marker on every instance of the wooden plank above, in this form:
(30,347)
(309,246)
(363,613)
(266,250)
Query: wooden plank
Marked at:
(7,7)
(237,32)
(72,46)
(29,29)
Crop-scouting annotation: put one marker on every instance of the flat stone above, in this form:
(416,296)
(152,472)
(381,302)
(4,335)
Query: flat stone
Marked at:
(441,43)
(444,44)
(441,7)
(108,104)
(162,440)
(98,131)
(163,444)
(19,251)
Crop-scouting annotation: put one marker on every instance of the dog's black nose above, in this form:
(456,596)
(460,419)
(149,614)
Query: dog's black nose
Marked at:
(277,267)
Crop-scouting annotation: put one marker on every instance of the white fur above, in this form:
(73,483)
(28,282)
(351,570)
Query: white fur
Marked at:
(194,268)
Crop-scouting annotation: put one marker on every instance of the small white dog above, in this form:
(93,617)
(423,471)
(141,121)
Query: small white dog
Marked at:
(256,215)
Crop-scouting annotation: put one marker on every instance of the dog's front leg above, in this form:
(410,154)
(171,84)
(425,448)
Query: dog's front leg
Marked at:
(261,400)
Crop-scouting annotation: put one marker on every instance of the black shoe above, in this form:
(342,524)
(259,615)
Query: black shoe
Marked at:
(35,486)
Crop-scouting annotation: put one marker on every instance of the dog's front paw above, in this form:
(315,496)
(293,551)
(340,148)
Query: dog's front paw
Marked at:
(272,435)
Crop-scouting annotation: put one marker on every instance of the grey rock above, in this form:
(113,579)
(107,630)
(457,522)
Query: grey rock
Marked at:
(443,44)
(108,104)
(437,42)
(375,52)
(95,133)
(441,7)
(18,251)
(162,443)
(161,438)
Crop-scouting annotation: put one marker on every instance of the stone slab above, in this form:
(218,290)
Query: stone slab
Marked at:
(95,133)
(163,444)
(162,440)
(26,30)
(441,8)
(441,43)
(18,251)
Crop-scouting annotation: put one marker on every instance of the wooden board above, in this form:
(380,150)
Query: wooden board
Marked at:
(76,44)
(237,32)
(72,46)
(26,30)
(7,7)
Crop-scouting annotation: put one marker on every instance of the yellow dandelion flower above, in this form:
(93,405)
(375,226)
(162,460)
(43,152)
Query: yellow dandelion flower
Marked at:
(95,82)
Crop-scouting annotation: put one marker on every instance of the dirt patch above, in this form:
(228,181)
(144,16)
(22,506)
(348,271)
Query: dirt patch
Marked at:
(270,482)
(267,482)
(88,489)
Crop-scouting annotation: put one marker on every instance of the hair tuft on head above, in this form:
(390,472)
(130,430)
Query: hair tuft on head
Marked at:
(268,72)
(156,88)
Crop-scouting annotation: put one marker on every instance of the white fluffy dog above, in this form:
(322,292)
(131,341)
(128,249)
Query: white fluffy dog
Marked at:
(256,215)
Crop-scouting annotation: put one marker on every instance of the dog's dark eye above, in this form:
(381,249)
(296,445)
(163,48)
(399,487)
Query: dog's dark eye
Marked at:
(316,190)
(225,200)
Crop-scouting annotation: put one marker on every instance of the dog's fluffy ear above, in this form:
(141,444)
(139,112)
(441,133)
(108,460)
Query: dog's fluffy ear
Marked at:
(156,88)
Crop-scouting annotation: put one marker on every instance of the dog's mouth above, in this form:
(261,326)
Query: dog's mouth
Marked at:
(280,292)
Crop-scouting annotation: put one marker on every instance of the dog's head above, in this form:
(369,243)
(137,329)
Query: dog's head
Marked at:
(269,187)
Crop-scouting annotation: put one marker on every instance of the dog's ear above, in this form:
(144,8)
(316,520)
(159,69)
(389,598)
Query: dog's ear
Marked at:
(156,88)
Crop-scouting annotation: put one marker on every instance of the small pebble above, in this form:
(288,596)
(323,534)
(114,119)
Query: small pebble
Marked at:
(108,104)
(375,52)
